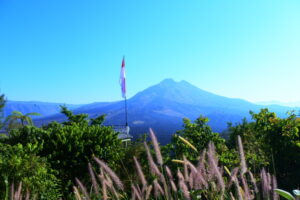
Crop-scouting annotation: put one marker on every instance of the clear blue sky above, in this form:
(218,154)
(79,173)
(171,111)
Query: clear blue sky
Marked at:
(70,51)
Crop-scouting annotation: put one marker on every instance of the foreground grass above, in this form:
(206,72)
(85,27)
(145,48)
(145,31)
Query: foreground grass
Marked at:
(203,180)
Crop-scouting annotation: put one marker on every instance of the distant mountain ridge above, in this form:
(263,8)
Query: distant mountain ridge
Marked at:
(164,105)
(43,108)
(295,104)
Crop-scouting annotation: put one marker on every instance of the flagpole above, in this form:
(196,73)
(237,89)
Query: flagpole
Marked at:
(126,111)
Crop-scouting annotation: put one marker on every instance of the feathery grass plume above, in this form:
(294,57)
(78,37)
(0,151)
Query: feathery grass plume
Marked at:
(148,192)
(182,185)
(157,189)
(201,163)
(187,143)
(274,186)
(156,147)
(110,172)
(179,175)
(77,195)
(173,186)
(191,180)
(27,197)
(103,184)
(202,173)
(253,181)
(199,181)
(169,173)
(82,188)
(140,171)
(238,189)
(242,155)
(269,181)
(185,190)
(214,166)
(12,191)
(110,185)
(136,192)
(93,178)
(192,167)
(153,168)
(246,188)
(264,184)
(104,190)
(18,192)
(233,175)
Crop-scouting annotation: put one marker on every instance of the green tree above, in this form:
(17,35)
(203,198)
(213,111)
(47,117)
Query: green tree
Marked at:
(272,142)
(69,146)
(199,134)
(18,119)
(19,163)
(255,153)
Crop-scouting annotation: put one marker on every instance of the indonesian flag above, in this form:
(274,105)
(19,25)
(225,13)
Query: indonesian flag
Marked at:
(123,79)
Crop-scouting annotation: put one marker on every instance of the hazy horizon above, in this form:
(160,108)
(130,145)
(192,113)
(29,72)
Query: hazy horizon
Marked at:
(71,51)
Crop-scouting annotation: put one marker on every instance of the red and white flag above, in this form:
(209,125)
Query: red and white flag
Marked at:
(123,79)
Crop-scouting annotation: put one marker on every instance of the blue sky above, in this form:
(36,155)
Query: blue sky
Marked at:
(70,51)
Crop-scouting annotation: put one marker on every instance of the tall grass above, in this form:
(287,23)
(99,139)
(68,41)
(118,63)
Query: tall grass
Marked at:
(203,180)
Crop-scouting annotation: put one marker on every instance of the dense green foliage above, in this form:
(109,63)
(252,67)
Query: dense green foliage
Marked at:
(19,163)
(271,142)
(199,134)
(68,147)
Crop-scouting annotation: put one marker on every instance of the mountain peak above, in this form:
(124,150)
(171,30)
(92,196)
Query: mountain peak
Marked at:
(168,81)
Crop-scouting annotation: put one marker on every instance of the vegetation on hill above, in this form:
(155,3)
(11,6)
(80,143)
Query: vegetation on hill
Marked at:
(58,160)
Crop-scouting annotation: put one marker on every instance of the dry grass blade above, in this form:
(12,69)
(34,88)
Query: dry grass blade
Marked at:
(148,192)
(93,178)
(246,188)
(156,147)
(178,161)
(253,181)
(109,171)
(187,143)
(238,189)
(233,175)
(185,169)
(136,192)
(77,195)
(82,188)
(157,189)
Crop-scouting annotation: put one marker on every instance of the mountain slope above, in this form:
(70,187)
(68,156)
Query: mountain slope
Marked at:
(163,106)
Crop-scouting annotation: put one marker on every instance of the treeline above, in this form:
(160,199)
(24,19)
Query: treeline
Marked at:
(51,162)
